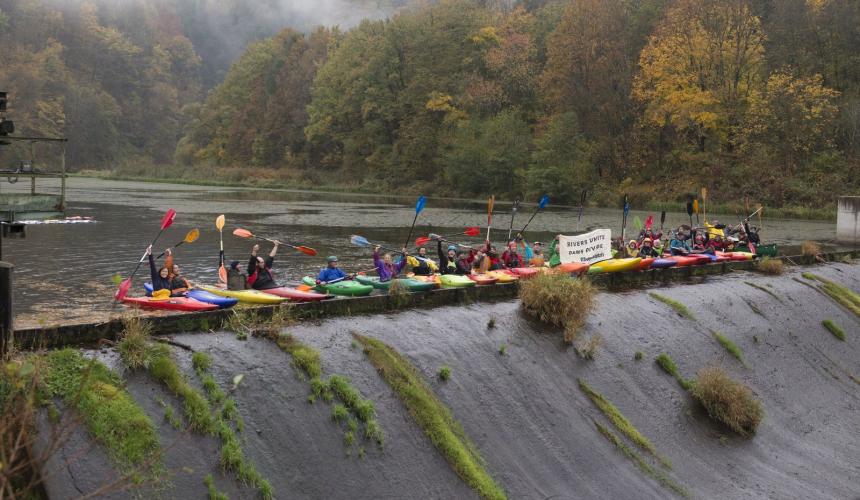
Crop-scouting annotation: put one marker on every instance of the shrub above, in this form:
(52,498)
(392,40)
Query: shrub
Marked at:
(728,401)
(133,347)
(810,248)
(559,300)
(770,266)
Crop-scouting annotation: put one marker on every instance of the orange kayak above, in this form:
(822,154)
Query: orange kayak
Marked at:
(572,268)
(483,279)
(525,272)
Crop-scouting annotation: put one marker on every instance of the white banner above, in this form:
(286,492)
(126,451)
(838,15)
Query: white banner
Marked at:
(586,248)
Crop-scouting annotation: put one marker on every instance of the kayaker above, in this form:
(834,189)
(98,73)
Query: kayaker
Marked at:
(236,279)
(386,269)
(646,250)
(657,245)
(698,245)
(716,243)
(480,262)
(632,249)
(510,257)
(554,257)
(493,257)
(679,245)
(449,263)
(178,284)
(332,272)
(422,265)
(160,277)
(534,255)
(261,278)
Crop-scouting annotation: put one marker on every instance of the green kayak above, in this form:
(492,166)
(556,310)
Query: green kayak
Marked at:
(770,250)
(347,287)
(410,284)
(455,281)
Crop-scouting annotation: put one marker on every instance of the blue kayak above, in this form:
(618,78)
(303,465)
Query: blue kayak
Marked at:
(663,263)
(202,296)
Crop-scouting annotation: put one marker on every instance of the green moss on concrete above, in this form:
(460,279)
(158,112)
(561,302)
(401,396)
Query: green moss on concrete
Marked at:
(679,308)
(842,295)
(729,346)
(665,362)
(432,416)
(835,329)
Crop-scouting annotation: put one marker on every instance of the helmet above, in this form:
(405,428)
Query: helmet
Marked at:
(331,258)
(452,248)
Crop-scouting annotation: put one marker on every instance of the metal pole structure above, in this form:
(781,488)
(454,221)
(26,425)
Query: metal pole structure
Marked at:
(32,167)
(63,178)
(6,331)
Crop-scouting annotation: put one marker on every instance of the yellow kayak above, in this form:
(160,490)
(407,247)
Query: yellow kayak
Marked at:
(249,296)
(615,265)
(502,276)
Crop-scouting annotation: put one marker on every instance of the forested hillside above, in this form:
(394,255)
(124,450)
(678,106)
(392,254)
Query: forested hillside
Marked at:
(654,98)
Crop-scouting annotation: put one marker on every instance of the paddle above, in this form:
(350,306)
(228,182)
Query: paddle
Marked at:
(662,220)
(219,224)
(361,241)
(544,201)
(423,240)
(166,221)
(190,237)
(581,205)
(704,204)
(442,238)
(244,233)
(513,213)
(626,210)
(649,221)
(419,206)
(696,211)
(490,203)
(637,223)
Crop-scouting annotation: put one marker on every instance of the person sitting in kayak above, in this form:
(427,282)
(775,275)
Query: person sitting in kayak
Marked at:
(236,279)
(261,278)
(178,284)
(480,263)
(510,257)
(632,249)
(493,257)
(699,245)
(716,243)
(422,265)
(534,254)
(657,245)
(332,272)
(680,244)
(160,277)
(646,251)
(554,256)
(386,269)
(448,261)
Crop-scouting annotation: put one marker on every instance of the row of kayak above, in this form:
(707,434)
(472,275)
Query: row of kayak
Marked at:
(206,298)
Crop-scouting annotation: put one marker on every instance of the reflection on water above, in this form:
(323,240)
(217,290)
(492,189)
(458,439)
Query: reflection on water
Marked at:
(63,272)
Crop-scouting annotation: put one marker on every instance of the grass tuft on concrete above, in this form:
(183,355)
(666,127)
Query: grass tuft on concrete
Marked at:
(835,329)
(641,463)
(728,401)
(445,373)
(432,416)
(770,266)
(810,248)
(679,308)
(110,414)
(559,300)
(133,346)
(729,346)
(620,421)
(842,295)
(665,362)
(765,290)
(305,358)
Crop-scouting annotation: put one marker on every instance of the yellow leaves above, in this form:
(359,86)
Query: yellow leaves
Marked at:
(486,36)
(440,102)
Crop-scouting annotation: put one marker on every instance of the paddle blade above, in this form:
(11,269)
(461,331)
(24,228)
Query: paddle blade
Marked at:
(222,273)
(421,241)
(242,233)
(419,205)
(472,231)
(637,223)
(192,236)
(307,250)
(690,208)
(649,221)
(544,201)
(360,241)
(662,218)
(167,220)
(704,194)
(695,206)
(219,222)
(626,206)
(123,289)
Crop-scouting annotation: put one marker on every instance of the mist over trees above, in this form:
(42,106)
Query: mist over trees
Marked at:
(654,98)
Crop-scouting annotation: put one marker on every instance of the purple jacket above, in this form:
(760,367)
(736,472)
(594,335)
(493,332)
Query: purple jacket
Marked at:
(387,271)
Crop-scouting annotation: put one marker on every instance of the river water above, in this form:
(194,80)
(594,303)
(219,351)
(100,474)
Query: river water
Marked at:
(63,272)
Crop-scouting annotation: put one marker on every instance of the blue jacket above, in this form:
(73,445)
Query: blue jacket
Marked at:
(329,274)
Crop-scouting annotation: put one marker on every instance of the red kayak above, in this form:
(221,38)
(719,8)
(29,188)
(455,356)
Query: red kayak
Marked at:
(572,268)
(645,264)
(171,304)
(701,258)
(296,295)
(525,272)
(684,261)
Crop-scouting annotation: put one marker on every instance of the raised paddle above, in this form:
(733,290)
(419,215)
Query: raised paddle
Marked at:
(244,233)
(190,237)
(513,214)
(626,210)
(423,240)
(166,221)
(662,220)
(219,224)
(361,241)
(695,211)
(419,206)
(704,204)
(544,201)
(581,205)
(690,210)
(442,238)
(490,204)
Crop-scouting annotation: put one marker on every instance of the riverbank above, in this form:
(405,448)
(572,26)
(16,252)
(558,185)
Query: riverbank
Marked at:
(292,179)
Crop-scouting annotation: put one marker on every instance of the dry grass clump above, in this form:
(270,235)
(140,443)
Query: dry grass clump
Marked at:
(810,248)
(587,348)
(728,401)
(559,300)
(770,266)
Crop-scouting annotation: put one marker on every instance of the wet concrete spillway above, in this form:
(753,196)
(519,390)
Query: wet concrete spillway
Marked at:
(514,387)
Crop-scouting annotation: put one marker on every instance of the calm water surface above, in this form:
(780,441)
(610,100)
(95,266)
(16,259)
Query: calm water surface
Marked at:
(63,273)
